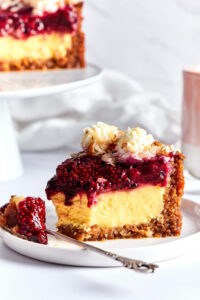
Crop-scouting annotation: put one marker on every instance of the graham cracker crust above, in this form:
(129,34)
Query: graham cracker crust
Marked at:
(169,224)
(9,216)
(75,57)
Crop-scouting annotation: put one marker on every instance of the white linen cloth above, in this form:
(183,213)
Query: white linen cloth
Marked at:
(46,123)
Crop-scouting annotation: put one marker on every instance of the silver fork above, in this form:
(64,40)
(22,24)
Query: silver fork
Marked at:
(130,263)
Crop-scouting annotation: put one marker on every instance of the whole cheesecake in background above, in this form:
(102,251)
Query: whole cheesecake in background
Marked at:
(41,34)
(25,216)
(122,185)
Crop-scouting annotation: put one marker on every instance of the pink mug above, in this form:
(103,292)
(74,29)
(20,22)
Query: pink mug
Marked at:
(191,120)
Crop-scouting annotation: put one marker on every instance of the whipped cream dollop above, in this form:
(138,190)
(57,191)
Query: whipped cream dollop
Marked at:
(113,144)
(98,138)
(39,6)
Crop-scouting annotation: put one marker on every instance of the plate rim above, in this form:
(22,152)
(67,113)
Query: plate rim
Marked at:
(54,89)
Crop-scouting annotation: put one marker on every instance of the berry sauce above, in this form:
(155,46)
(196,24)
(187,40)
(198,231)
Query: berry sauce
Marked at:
(31,219)
(91,175)
(23,23)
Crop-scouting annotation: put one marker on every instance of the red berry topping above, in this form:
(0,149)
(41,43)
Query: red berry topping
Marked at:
(23,23)
(31,219)
(91,175)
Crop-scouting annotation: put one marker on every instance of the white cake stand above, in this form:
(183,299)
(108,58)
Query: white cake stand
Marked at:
(32,84)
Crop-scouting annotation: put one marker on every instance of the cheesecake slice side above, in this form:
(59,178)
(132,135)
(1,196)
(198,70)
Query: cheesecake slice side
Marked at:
(106,193)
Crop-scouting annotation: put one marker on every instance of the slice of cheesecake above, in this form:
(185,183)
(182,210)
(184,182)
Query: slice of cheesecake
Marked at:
(123,185)
(41,34)
(25,216)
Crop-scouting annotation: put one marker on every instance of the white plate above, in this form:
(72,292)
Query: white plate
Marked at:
(26,84)
(152,249)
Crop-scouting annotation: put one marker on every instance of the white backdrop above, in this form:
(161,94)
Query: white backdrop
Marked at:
(151,40)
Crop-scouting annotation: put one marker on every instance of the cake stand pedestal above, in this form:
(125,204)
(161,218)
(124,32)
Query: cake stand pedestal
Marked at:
(32,84)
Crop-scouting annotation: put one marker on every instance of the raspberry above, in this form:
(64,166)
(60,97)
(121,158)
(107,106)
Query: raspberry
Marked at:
(31,219)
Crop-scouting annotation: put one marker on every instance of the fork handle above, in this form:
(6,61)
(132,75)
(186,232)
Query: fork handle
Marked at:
(126,262)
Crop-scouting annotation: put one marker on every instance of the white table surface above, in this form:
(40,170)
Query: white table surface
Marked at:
(23,278)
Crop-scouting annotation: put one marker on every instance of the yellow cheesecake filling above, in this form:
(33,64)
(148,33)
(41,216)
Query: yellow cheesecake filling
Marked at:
(117,208)
(42,46)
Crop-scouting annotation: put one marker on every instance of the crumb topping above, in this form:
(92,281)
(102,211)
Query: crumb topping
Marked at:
(39,6)
(113,144)
(97,140)
(135,140)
